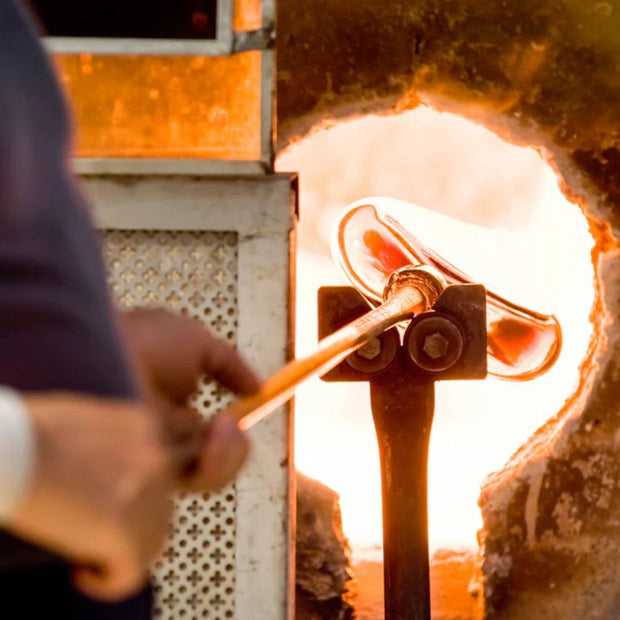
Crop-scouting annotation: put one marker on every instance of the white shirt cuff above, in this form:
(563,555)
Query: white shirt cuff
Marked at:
(17,451)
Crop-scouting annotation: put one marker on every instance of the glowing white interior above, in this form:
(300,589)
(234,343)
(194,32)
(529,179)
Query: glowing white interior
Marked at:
(535,249)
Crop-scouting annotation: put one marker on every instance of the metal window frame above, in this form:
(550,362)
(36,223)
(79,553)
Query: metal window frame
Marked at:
(222,44)
(263,165)
(265,534)
(226,40)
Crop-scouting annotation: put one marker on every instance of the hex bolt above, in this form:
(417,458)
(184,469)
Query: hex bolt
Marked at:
(436,346)
(377,354)
(370,350)
(434,342)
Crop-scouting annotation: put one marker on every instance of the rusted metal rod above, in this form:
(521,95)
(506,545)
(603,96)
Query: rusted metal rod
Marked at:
(409,292)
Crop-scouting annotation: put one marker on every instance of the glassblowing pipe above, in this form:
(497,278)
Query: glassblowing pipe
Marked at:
(409,291)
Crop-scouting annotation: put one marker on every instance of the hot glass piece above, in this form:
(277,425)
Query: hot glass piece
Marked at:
(372,243)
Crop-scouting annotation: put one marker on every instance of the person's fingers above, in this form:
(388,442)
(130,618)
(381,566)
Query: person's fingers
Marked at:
(175,350)
(178,423)
(203,455)
(108,585)
(167,349)
(183,434)
(227,366)
(186,458)
(225,450)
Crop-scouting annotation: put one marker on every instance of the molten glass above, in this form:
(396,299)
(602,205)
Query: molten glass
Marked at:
(372,244)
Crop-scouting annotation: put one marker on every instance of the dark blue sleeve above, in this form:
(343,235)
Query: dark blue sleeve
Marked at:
(57,326)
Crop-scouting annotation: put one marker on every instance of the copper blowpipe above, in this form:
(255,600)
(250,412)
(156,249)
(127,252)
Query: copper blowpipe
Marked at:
(410,291)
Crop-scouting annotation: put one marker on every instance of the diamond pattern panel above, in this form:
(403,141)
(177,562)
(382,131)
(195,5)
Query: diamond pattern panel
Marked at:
(194,273)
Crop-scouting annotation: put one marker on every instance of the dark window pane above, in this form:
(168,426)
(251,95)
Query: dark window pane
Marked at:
(135,19)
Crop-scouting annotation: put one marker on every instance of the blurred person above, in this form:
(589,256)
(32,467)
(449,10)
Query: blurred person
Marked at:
(96,430)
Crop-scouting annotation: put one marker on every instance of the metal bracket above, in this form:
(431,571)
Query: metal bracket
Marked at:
(463,305)
(449,342)
(250,40)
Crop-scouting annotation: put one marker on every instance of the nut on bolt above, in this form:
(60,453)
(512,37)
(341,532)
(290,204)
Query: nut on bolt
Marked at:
(370,350)
(377,354)
(436,345)
(434,342)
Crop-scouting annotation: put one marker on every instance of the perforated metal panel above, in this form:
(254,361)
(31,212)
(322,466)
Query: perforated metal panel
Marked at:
(217,248)
(194,273)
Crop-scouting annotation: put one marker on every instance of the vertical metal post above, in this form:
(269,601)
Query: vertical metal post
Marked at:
(402,408)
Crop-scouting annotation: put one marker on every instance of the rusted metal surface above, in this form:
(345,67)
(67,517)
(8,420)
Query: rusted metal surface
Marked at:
(375,355)
(462,305)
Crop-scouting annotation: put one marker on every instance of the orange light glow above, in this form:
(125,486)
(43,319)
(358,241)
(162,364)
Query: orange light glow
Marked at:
(137,106)
(536,251)
(510,340)
(247,14)
(384,252)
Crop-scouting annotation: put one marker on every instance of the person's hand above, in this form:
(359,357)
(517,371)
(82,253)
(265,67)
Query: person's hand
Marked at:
(99,496)
(172,353)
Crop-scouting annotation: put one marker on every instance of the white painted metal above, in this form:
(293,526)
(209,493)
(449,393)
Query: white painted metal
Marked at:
(175,167)
(268,10)
(220,249)
(268,87)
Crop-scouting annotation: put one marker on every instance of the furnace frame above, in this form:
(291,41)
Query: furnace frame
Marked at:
(227,42)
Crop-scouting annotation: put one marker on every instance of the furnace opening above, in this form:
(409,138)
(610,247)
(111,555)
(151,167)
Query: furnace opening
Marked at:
(540,256)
